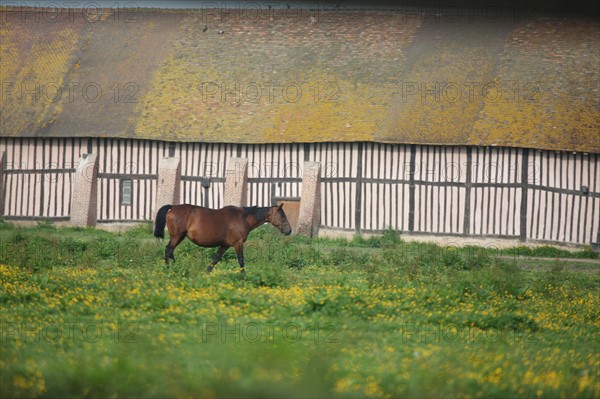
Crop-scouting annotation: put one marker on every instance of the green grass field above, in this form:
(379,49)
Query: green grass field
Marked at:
(87,313)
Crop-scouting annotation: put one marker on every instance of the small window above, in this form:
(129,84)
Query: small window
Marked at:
(126,192)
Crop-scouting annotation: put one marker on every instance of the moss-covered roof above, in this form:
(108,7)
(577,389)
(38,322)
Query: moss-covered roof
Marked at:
(343,76)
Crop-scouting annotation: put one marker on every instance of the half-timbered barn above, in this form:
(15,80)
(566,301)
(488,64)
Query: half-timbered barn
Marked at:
(473,124)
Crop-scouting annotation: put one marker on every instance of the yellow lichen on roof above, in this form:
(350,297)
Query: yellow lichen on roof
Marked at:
(435,102)
(333,110)
(549,73)
(34,65)
(240,86)
(203,105)
(8,53)
(111,73)
(177,108)
(348,76)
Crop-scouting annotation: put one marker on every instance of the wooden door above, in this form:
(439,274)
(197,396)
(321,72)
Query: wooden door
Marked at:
(292,210)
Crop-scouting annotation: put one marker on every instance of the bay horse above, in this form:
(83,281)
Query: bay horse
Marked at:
(223,228)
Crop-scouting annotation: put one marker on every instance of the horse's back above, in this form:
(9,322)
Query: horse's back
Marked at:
(186,209)
(228,212)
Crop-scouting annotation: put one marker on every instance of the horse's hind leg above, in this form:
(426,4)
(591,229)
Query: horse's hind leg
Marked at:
(169,254)
(174,241)
(239,250)
(217,258)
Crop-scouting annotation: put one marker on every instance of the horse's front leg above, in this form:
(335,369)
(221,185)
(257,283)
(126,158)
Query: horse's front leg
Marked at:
(222,249)
(239,250)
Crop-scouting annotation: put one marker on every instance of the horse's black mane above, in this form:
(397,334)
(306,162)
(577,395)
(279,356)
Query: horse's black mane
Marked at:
(260,213)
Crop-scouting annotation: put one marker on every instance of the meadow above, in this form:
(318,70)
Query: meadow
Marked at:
(88,313)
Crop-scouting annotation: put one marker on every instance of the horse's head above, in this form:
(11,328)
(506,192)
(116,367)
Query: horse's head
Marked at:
(278,219)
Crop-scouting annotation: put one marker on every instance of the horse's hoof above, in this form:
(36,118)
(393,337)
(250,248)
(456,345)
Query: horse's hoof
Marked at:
(243,272)
(209,269)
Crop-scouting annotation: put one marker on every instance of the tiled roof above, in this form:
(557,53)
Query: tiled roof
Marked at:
(303,77)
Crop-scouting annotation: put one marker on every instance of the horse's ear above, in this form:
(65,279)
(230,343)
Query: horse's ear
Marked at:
(280,206)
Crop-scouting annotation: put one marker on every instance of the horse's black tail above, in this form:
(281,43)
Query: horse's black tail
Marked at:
(161,221)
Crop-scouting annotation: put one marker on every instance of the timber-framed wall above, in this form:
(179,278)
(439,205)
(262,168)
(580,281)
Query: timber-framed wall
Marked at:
(500,192)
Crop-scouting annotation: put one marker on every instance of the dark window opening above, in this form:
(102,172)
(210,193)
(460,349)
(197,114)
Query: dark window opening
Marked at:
(126,192)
